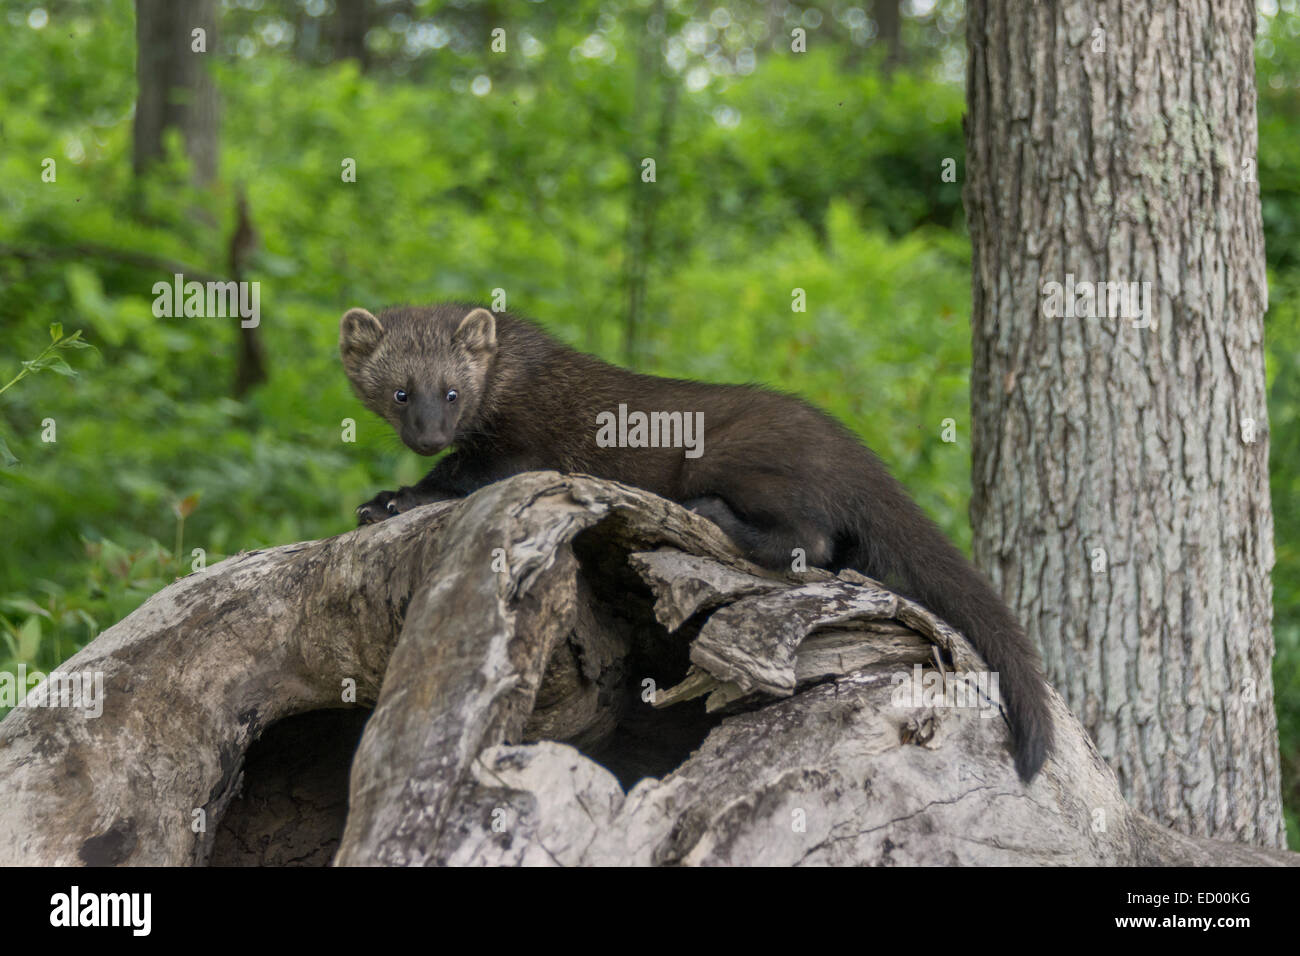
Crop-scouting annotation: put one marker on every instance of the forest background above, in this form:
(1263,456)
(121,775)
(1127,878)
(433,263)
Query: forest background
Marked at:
(478,170)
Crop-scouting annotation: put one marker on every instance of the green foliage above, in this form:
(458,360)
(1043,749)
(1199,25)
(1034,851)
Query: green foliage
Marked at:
(526,188)
(48,359)
(519,172)
(1278,68)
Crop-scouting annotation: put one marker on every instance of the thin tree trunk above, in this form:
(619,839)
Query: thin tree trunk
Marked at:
(350,25)
(175,85)
(643,204)
(889,23)
(250,360)
(1121,496)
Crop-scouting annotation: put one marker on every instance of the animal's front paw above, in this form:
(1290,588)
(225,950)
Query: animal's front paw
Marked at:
(388,503)
(381,506)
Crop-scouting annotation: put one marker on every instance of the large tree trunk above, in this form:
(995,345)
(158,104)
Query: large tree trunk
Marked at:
(1121,496)
(517,649)
(175,84)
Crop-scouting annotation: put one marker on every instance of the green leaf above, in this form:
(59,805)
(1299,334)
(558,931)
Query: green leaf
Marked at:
(90,622)
(27,606)
(278,266)
(74,341)
(29,638)
(53,362)
(7,458)
(56,331)
(56,363)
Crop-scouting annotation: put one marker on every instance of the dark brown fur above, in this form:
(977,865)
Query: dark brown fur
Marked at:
(775,473)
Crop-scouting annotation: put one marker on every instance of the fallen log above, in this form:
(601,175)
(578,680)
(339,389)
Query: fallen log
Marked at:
(555,670)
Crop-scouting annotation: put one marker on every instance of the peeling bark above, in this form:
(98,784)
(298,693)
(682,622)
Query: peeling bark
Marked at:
(562,670)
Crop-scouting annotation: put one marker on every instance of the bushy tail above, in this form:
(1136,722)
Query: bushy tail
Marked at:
(899,544)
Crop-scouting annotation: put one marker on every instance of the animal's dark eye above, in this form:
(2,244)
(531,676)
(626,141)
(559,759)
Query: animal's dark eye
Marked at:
(399,396)
(452,395)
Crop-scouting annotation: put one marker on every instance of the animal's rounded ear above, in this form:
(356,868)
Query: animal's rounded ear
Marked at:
(477,332)
(359,334)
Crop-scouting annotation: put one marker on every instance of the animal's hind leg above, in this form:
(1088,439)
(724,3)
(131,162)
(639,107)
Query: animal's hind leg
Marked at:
(771,545)
(746,536)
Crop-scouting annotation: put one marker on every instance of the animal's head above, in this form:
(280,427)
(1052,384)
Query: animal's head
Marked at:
(423,370)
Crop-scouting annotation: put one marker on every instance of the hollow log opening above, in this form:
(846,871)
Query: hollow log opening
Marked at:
(293,798)
(293,802)
(643,741)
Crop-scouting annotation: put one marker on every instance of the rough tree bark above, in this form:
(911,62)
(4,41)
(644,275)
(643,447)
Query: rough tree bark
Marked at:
(505,643)
(175,86)
(1121,495)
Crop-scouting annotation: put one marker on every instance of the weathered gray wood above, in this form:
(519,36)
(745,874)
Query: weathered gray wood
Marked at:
(466,669)
(820,778)
(685,584)
(470,654)
(190,679)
